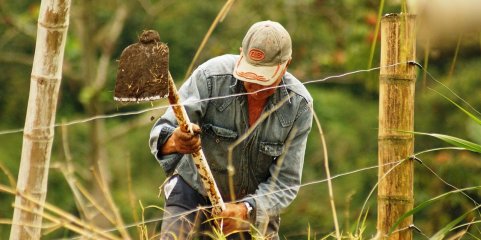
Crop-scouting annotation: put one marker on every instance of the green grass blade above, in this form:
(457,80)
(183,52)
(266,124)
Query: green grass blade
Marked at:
(378,26)
(458,142)
(426,203)
(455,58)
(442,233)
(471,115)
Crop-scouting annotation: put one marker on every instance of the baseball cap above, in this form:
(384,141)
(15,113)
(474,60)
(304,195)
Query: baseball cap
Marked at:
(266,50)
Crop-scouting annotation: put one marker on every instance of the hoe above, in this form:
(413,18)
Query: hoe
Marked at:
(143,75)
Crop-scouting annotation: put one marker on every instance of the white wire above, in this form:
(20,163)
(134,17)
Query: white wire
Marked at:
(107,116)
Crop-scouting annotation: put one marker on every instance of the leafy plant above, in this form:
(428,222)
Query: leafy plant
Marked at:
(462,144)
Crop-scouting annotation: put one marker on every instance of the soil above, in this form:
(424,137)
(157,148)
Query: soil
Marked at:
(143,70)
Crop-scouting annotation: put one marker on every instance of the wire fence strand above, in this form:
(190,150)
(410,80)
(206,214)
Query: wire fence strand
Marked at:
(308,82)
(203,208)
(138,112)
(315,182)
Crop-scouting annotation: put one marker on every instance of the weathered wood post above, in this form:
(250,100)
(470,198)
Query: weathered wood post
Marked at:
(396,118)
(38,133)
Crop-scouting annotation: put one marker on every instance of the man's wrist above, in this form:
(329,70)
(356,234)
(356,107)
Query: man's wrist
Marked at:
(164,146)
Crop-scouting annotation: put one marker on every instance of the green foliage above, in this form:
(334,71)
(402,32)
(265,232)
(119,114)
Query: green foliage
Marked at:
(456,142)
(329,37)
(441,234)
(343,127)
(429,202)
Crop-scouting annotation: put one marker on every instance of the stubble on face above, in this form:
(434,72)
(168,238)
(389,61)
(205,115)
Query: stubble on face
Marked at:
(260,92)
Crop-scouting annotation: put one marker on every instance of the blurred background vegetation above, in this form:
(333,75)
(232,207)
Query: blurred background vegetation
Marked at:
(329,37)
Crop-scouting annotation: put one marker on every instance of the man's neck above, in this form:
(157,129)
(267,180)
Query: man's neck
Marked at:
(255,108)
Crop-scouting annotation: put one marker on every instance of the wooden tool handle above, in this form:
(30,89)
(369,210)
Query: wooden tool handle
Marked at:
(199,158)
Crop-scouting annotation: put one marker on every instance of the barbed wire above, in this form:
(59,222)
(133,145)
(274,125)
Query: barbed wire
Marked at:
(205,208)
(411,227)
(130,113)
(138,112)
(449,184)
(114,115)
(444,85)
(395,164)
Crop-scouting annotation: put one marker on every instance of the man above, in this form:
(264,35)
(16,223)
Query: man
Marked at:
(267,163)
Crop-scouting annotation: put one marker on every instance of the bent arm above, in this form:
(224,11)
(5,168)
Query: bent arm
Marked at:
(282,186)
(163,146)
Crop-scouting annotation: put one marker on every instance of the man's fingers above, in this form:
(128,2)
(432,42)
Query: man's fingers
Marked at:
(196,129)
(234,218)
(192,129)
(228,226)
(197,146)
(186,149)
(191,141)
(185,142)
(185,135)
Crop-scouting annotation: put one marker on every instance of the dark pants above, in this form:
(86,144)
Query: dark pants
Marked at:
(182,221)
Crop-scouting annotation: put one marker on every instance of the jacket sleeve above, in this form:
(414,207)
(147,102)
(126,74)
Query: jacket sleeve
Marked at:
(190,94)
(282,186)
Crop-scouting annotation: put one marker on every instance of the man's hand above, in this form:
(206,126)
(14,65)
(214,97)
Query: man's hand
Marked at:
(234,218)
(183,142)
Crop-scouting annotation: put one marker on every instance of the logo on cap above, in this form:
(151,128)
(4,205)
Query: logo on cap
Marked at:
(256,54)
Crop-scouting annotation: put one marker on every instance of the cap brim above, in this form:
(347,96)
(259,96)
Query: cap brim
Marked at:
(262,75)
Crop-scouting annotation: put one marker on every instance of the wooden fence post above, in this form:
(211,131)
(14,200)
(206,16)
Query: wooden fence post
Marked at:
(396,120)
(38,133)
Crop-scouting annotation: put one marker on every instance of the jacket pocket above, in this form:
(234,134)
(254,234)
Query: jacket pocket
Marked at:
(268,154)
(215,141)
(219,132)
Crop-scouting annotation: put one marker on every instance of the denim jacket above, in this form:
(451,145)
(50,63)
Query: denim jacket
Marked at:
(267,163)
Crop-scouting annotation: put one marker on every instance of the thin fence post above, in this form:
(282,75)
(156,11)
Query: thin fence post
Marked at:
(38,132)
(396,123)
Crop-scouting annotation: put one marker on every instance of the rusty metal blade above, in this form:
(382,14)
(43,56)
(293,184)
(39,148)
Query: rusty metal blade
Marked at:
(143,70)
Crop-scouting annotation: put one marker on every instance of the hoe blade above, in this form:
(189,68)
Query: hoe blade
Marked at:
(143,70)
